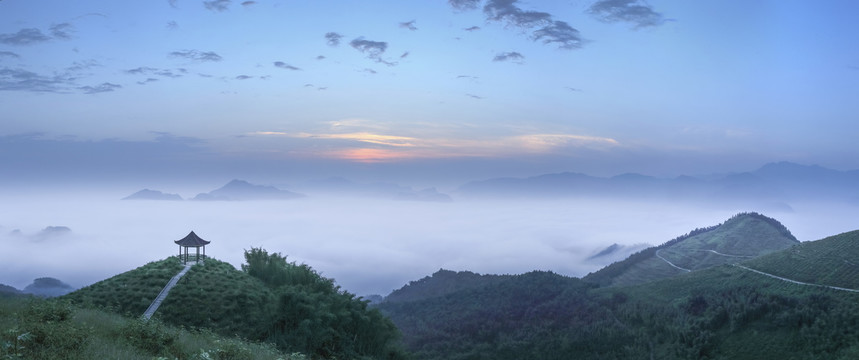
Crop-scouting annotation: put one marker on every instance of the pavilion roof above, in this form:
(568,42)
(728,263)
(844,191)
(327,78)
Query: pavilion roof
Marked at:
(192,240)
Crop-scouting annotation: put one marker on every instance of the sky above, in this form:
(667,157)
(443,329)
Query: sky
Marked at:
(423,91)
(99,99)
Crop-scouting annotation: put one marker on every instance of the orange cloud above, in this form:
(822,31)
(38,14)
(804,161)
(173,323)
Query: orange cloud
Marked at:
(393,147)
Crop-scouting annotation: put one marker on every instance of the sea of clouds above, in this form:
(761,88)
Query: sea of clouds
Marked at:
(369,246)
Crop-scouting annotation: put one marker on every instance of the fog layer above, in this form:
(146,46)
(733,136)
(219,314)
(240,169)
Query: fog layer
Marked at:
(368,246)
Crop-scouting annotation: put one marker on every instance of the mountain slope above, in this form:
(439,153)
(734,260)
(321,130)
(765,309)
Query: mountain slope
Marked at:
(832,261)
(741,237)
(441,283)
(720,312)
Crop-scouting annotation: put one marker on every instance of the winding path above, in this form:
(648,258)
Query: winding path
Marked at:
(163,294)
(670,263)
(794,281)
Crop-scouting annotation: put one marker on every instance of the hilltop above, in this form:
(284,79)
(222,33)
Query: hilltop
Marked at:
(269,299)
(742,237)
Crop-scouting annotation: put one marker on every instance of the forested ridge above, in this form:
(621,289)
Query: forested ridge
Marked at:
(718,312)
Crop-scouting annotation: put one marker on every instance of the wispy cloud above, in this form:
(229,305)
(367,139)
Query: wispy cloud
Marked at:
(101,88)
(333,38)
(472,28)
(404,55)
(464,4)
(474,96)
(27,36)
(510,56)
(284,65)
(62,31)
(143,70)
(373,49)
(636,12)
(196,55)
(172,3)
(9,54)
(377,143)
(409,25)
(248,4)
(23,80)
(559,33)
(147,81)
(172,25)
(543,26)
(320,57)
(507,11)
(244,77)
(217,5)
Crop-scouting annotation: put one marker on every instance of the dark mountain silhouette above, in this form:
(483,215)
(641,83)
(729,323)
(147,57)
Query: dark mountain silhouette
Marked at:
(48,287)
(147,194)
(6,290)
(242,190)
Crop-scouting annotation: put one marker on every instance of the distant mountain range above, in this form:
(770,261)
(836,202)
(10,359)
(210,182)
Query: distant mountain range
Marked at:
(237,190)
(147,194)
(774,184)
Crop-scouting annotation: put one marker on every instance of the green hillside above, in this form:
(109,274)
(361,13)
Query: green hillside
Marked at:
(740,238)
(34,328)
(833,261)
(722,312)
(441,283)
(270,300)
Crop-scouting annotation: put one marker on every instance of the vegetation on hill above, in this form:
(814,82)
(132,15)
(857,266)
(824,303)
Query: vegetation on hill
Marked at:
(714,312)
(724,312)
(441,283)
(743,236)
(270,300)
(833,261)
(34,328)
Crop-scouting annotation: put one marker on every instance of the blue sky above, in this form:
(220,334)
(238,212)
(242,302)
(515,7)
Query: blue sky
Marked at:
(475,88)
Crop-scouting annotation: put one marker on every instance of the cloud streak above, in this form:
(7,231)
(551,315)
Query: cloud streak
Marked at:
(101,88)
(62,31)
(196,55)
(376,146)
(27,36)
(286,66)
(636,12)
(510,56)
(217,5)
(409,25)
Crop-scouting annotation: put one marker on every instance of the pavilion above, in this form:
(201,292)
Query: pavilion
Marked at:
(194,241)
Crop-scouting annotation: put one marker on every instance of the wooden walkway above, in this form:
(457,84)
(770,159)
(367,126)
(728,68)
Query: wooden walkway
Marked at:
(163,294)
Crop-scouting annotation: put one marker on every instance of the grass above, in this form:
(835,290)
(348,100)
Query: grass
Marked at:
(78,333)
